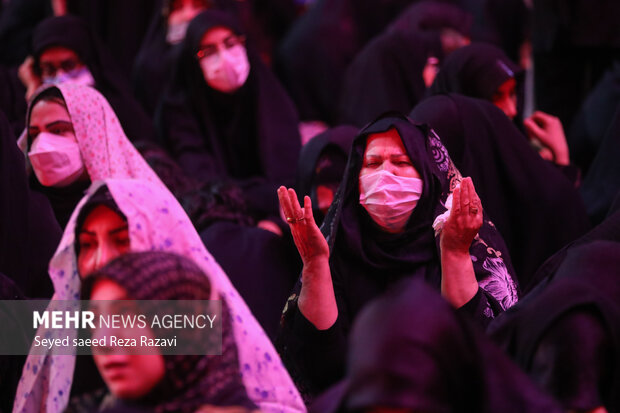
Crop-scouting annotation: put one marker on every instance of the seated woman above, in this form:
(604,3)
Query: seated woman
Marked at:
(388,221)
(411,352)
(226,116)
(535,208)
(321,166)
(155,58)
(393,70)
(164,383)
(118,216)
(73,138)
(66,50)
(484,71)
(565,333)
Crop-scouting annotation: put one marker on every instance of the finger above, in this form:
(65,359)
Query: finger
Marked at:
(465,194)
(456,200)
(285,202)
(542,117)
(297,213)
(532,128)
(308,214)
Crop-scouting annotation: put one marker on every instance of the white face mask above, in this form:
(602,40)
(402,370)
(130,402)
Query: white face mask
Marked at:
(56,160)
(389,199)
(226,70)
(80,76)
(176,32)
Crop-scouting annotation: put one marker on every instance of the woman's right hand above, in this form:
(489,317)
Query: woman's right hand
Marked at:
(308,238)
(317,300)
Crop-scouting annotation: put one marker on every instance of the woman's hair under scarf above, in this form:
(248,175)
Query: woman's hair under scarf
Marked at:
(352,235)
(74,33)
(190,381)
(411,350)
(156,223)
(106,151)
(574,322)
(476,70)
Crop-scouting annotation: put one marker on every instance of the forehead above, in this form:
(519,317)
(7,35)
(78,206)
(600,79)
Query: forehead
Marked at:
(102,217)
(507,86)
(215,35)
(45,111)
(385,142)
(57,54)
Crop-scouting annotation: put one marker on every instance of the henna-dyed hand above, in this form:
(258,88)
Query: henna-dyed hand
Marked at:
(465,219)
(308,238)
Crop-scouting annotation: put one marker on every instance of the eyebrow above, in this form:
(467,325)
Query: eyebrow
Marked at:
(112,232)
(59,123)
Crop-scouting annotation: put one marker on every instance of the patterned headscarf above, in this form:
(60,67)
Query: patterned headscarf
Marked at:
(189,381)
(156,222)
(106,150)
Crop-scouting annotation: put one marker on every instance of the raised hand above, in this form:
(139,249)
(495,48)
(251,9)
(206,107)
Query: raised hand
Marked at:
(308,238)
(547,130)
(465,219)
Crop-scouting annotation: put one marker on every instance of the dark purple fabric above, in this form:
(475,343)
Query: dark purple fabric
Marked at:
(313,57)
(535,208)
(30,233)
(387,74)
(409,349)
(565,334)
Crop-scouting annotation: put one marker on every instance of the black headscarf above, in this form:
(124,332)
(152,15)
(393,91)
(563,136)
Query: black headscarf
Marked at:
(17,21)
(30,233)
(602,182)
(566,334)
(120,25)
(334,145)
(410,350)
(312,59)
(249,134)
(476,70)
(586,133)
(387,75)
(189,381)
(155,59)
(535,208)
(73,33)
(365,261)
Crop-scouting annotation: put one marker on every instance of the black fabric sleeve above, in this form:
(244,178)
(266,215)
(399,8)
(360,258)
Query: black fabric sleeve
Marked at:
(480,309)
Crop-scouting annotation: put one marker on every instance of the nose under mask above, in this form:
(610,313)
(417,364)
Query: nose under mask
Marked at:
(390,199)
(227,70)
(56,160)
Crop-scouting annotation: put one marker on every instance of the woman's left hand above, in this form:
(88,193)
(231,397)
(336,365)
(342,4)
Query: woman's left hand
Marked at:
(465,219)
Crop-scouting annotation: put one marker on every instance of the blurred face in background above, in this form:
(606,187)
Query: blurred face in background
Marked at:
(505,98)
